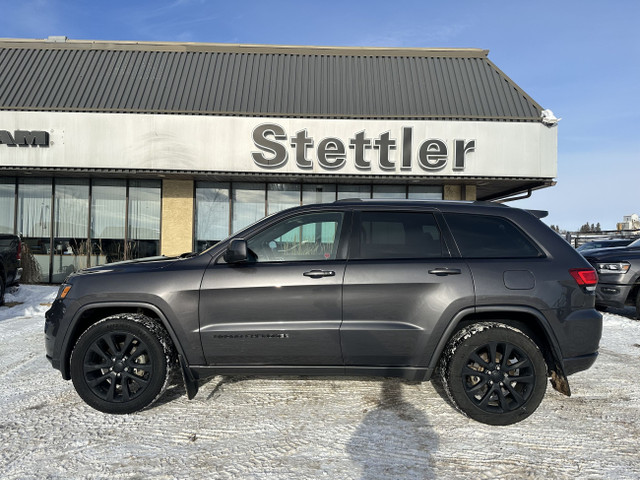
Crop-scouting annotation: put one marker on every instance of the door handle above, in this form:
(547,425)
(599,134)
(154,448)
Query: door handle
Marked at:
(445,271)
(319,273)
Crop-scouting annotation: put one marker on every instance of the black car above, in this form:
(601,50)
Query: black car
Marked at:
(483,294)
(619,272)
(608,243)
(10,262)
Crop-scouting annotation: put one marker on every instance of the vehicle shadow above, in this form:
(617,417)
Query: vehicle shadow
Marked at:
(395,440)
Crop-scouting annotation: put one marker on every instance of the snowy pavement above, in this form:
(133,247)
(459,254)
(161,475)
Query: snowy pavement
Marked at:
(306,428)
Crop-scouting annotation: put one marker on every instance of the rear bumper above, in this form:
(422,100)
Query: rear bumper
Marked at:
(579,339)
(578,364)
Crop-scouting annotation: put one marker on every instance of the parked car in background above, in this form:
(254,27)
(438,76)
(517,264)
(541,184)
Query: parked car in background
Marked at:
(10,262)
(611,242)
(619,276)
(485,295)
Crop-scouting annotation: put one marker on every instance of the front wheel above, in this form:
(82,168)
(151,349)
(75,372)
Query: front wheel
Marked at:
(494,373)
(122,363)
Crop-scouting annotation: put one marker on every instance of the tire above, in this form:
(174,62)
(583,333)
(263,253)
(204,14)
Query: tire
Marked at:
(122,363)
(475,371)
(2,290)
(637,305)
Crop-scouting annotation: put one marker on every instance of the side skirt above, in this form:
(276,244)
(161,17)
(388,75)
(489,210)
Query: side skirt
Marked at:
(407,373)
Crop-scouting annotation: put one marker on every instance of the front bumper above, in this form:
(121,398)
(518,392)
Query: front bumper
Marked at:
(612,295)
(53,318)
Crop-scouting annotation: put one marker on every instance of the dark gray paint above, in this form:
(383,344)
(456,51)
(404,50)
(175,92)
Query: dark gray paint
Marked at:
(243,309)
(392,306)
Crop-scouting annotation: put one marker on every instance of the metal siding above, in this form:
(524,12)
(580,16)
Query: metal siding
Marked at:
(252,83)
(485,91)
(215,83)
(49,85)
(218,78)
(13,68)
(27,73)
(475,100)
(151,91)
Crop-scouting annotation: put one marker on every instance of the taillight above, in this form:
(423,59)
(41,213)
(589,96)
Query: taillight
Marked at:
(586,277)
(19,252)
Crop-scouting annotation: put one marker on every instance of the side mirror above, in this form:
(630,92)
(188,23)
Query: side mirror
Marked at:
(237,251)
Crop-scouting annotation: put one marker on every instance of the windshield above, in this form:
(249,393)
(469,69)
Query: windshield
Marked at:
(634,244)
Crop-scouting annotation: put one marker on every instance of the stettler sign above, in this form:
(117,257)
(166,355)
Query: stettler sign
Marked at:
(331,153)
(283,145)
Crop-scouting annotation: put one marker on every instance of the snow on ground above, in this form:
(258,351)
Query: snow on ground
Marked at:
(304,428)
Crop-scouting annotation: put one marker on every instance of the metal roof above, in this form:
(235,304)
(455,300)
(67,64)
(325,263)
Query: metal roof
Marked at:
(257,80)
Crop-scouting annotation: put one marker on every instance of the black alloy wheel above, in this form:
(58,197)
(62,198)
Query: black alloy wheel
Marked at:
(494,373)
(122,364)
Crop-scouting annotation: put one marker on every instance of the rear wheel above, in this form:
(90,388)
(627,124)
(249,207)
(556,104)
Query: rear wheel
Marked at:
(494,373)
(122,364)
(2,290)
(638,305)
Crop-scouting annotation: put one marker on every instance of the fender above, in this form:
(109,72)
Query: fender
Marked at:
(66,344)
(558,380)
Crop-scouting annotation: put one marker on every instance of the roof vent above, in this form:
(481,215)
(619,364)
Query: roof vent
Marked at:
(57,38)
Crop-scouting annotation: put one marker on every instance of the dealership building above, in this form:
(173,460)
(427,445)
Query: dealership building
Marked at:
(119,150)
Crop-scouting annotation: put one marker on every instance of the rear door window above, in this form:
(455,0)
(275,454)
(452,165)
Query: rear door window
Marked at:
(484,236)
(397,235)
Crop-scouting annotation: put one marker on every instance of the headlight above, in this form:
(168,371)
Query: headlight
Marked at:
(615,267)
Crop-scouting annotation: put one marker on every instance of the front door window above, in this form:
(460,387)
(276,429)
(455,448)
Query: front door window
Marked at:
(307,237)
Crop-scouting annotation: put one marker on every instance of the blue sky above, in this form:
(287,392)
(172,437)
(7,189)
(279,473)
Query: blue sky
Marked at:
(579,58)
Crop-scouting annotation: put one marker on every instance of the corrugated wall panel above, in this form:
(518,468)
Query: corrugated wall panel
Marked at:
(250,83)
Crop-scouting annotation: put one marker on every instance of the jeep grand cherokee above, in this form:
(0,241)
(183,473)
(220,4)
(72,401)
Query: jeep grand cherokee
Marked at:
(484,296)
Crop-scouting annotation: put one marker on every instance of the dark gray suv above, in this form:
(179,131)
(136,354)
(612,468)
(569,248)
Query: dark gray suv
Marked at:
(484,294)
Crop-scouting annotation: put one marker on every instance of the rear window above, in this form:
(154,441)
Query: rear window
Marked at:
(483,236)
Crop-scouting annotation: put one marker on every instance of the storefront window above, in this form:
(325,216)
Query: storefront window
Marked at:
(354,191)
(389,191)
(248,204)
(108,217)
(71,218)
(212,213)
(7,204)
(425,192)
(318,194)
(143,233)
(281,196)
(34,219)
